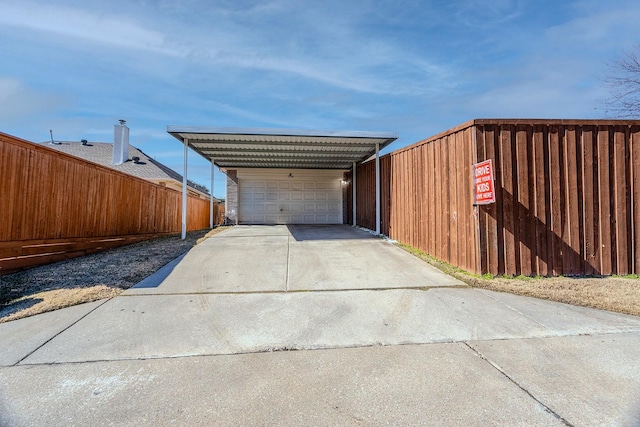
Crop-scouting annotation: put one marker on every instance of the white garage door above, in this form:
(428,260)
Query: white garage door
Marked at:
(289,197)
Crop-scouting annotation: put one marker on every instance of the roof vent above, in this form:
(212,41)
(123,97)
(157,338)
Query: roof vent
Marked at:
(136,160)
(84,142)
(52,141)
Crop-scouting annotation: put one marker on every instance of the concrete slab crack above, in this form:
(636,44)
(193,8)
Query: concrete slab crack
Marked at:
(514,382)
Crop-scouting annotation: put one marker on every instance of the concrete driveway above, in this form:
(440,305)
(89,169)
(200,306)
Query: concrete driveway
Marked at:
(384,339)
(282,258)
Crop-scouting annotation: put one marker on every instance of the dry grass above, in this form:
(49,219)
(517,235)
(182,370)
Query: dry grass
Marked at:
(52,300)
(89,278)
(619,294)
(211,233)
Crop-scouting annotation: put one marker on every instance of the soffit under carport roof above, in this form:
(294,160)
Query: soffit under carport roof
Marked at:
(282,148)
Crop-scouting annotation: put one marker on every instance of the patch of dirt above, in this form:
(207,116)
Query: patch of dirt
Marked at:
(619,294)
(89,278)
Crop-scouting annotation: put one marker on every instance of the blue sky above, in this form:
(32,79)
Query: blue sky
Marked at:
(407,66)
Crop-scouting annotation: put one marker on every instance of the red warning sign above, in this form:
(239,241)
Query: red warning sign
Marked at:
(483,179)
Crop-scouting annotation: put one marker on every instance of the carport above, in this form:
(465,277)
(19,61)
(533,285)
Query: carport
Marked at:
(284,176)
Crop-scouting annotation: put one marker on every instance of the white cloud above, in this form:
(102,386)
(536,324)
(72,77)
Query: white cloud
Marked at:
(314,43)
(90,26)
(484,14)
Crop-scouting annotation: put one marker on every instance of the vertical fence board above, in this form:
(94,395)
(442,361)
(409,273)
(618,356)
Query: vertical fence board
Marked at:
(445,250)
(555,176)
(523,203)
(604,159)
(453,200)
(506,166)
(621,205)
(573,225)
(467,190)
(635,195)
(590,219)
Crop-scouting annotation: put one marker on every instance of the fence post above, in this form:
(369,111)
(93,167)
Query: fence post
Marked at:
(377,188)
(184,191)
(353,196)
(211,204)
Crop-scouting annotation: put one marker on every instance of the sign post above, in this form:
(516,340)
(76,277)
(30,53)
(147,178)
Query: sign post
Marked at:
(483,183)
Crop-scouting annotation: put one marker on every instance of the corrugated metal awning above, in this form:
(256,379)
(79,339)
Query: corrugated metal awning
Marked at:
(282,148)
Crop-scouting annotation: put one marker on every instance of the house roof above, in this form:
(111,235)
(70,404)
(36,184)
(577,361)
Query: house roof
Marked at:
(282,148)
(102,153)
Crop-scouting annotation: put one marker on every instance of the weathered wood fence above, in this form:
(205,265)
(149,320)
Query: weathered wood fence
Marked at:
(55,206)
(567,197)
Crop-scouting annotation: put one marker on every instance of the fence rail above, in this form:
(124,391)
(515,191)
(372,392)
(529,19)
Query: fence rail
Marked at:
(74,207)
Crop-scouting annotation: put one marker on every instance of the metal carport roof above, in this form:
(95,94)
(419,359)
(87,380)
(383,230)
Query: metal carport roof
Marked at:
(282,148)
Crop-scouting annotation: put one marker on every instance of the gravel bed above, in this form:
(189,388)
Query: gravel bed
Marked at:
(107,273)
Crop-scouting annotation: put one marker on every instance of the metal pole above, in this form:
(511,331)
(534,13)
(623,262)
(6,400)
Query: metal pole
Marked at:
(184,191)
(377,188)
(353,190)
(211,204)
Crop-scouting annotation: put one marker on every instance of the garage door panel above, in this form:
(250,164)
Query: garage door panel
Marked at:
(309,198)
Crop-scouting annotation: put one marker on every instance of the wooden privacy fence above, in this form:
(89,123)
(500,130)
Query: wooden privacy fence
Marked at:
(55,206)
(567,197)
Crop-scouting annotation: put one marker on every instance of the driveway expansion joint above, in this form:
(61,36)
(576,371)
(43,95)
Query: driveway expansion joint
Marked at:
(514,382)
(293,291)
(19,362)
(286,271)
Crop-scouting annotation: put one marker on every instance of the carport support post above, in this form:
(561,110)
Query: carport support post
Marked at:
(377,188)
(211,204)
(184,192)
(353,196)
